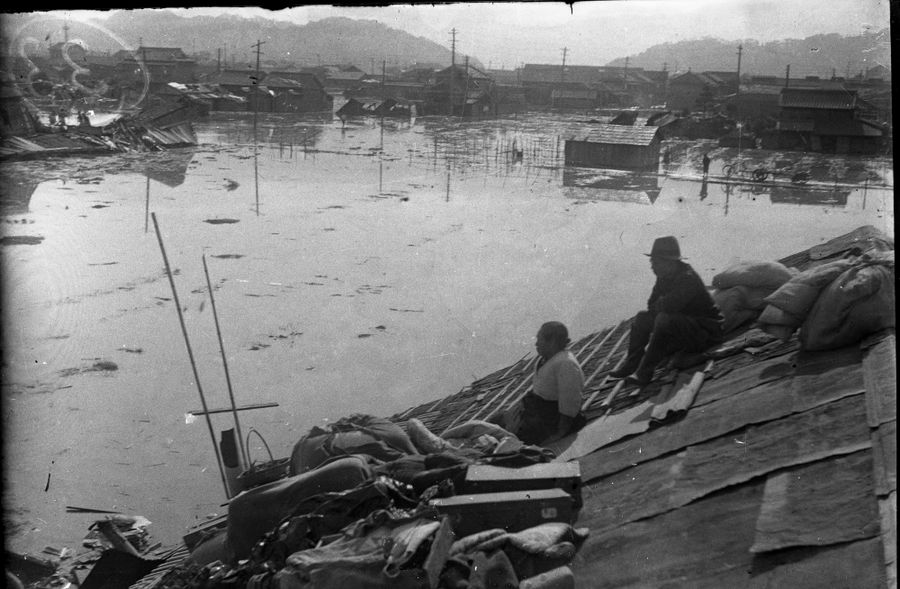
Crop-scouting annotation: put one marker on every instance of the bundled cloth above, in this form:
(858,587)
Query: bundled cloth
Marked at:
(357,434)
(742,288)
(381,550)
(255,512)
(483,437)
(528,552)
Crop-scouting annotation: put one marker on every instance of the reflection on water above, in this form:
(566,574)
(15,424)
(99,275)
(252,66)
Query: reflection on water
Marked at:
(173,171)
(15,196)
(808,196)
(612,185)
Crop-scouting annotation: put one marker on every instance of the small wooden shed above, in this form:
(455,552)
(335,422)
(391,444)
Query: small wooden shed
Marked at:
(620,147)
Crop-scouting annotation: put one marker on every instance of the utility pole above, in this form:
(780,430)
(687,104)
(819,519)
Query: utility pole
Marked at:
(562,72)
(737,100)
(452,65)
(258,45)
(466,95)
(625,75)
(787,75)
(666,83)
(737,90)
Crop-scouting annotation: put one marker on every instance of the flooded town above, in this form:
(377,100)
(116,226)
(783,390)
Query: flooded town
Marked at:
(400,297)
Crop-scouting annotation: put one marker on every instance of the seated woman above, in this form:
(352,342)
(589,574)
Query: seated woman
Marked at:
(552,409)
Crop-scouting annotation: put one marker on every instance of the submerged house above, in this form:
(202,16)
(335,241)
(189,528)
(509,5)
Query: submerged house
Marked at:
(826,120)
(574,99)
(620,147)
(460,90)
(296,91)
(162,64)
(293,95)
(389,107)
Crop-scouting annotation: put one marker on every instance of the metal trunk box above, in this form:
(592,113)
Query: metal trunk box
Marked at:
(512,510)
(483,478)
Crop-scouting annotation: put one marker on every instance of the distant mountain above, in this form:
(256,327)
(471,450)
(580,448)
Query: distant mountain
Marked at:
(364,43)
(819,55)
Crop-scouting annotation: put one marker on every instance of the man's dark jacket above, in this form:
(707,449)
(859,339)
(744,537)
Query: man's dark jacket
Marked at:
(683,293)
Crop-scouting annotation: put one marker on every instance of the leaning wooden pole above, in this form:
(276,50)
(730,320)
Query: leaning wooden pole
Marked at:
(237,422)
(212,434)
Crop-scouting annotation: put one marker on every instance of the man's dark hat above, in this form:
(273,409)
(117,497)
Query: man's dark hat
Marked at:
(665,248)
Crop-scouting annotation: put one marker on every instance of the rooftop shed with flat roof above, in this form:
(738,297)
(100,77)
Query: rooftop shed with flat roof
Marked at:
(622,147)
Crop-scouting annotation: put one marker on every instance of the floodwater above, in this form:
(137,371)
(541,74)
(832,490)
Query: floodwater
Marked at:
(354,268)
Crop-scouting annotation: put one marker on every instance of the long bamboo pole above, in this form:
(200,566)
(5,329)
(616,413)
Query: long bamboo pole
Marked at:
(212,434)
(237,422)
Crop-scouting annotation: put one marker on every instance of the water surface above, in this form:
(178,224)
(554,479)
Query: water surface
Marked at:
(355,268)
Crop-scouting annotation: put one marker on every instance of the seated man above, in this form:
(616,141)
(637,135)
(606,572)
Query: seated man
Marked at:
(681,316)
(552,409)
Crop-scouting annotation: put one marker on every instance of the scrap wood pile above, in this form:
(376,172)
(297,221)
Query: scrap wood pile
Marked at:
(126,134)
(114,541)
(369,504)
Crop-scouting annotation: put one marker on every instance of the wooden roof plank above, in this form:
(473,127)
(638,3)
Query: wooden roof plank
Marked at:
(814,567)
(754,405)
(884,446)
(887,508)
(826,502)
(604,431)
(678,548)
(802,368)
(880,374)
(675,480)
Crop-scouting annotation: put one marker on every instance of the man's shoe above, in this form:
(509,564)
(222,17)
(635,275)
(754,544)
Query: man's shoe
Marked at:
(639,380)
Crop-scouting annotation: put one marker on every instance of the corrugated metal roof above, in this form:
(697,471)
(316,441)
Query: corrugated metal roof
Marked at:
(817,99)
(618,135)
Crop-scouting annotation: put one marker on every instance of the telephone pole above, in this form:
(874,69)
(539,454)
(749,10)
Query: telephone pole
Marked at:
(737,90)
(562,73)
(452,65)
(255,85)
(666,83)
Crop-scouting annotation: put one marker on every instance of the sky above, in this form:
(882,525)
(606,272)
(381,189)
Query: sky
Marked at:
(506,34)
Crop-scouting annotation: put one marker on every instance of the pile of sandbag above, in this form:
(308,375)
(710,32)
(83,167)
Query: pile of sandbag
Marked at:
(742,288)
(835,304)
